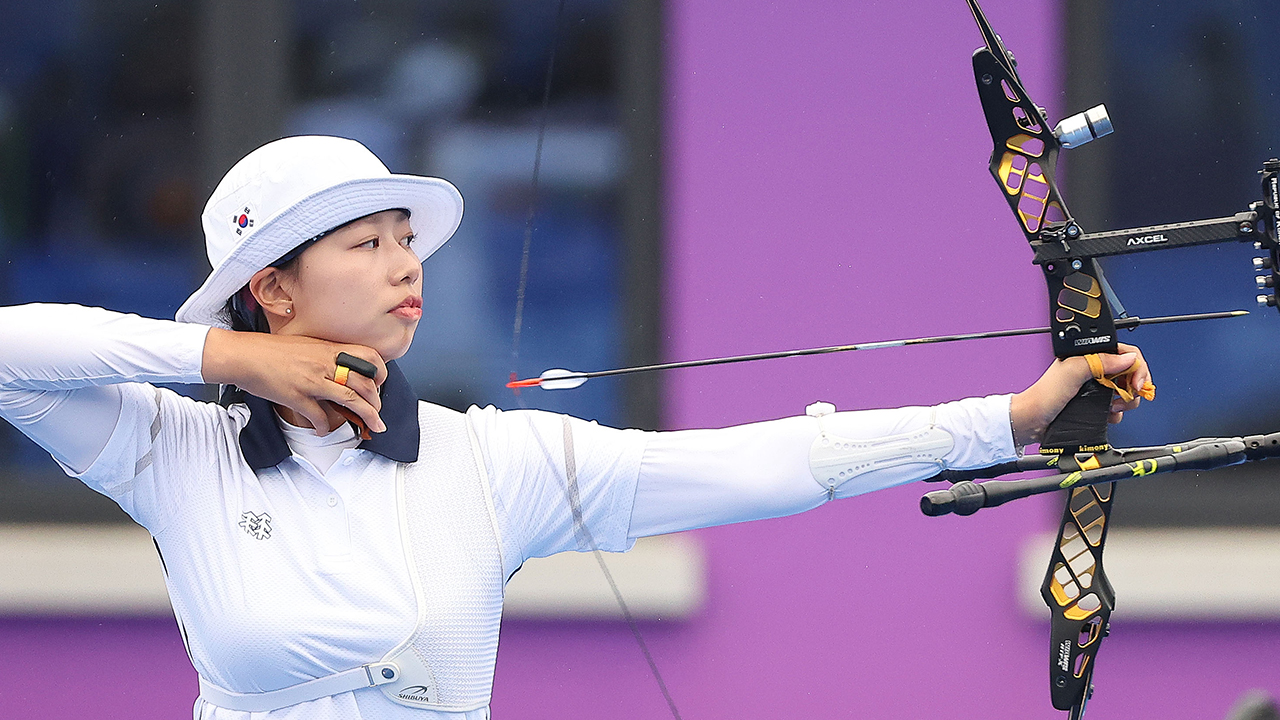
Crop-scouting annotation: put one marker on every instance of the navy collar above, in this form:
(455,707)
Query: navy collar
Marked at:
(263,444)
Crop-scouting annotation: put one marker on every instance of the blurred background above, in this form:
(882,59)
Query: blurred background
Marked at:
(1193,88)
(716,178)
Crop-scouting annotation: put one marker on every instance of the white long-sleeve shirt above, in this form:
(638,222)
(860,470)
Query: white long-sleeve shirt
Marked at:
(75,380)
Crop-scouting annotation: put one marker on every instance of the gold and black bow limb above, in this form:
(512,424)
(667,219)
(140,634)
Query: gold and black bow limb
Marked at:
(1083,318)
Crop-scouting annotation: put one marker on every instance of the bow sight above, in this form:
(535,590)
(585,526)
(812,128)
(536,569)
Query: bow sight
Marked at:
(1083,320)
(1062,249)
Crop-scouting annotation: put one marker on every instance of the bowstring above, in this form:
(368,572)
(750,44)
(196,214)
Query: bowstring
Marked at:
(521,287)
(527,245)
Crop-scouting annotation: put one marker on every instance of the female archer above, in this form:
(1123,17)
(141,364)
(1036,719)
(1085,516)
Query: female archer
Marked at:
(335,548)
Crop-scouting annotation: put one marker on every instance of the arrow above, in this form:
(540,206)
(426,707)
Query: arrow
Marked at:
(559,379)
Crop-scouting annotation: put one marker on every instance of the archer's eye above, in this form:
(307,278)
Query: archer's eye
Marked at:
(371,243)
(408,240)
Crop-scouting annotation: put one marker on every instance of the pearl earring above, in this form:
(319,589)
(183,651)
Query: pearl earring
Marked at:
(288,311)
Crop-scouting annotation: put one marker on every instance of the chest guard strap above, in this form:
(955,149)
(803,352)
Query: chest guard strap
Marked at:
(371,675)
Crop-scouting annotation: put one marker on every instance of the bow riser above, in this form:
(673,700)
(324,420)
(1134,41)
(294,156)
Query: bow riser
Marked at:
(1079,595)
(1024,164)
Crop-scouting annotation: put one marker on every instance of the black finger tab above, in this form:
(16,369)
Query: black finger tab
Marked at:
(355,364)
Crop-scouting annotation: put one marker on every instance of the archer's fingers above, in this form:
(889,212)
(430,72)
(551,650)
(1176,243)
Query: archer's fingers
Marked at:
(371,356)
(354,402)
(1118,405)
(1142,372)
(315,414)
(365,388)
(1116,364)
(334,417)
(1115,417)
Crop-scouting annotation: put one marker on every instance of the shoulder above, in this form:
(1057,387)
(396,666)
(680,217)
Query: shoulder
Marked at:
(186,429)
(494,430)
(524,433)
(177,405)
(490,421)
(429,409)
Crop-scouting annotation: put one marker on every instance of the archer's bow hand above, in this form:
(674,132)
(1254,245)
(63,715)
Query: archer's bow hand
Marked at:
(1033,409)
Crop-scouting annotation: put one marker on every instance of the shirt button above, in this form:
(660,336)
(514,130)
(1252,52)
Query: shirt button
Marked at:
(333,500)
(348,461)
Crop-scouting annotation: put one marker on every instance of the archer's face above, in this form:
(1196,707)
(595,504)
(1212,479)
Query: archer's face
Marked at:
(360,284)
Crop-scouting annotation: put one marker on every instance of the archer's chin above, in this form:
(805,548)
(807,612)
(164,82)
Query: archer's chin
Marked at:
(394,348)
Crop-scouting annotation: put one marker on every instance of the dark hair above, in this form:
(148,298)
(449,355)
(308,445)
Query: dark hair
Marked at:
(244,312)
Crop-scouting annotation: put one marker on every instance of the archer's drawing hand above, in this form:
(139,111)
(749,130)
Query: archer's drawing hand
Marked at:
(1033,409)
(298,373)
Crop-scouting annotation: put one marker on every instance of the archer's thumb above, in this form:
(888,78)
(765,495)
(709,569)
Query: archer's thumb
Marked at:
(1116,364)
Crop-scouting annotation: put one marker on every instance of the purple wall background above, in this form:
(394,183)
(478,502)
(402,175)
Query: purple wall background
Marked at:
(826,183)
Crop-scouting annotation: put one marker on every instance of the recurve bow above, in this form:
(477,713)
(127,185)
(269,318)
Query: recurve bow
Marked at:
(1082,321)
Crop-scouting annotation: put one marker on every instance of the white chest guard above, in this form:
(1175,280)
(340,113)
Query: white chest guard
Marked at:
(449,530)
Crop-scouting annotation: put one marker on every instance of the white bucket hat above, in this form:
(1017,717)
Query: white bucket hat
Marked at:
(291,190)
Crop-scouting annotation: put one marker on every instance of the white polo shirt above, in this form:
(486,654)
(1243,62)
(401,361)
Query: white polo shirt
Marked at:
(281,570)
(289,573)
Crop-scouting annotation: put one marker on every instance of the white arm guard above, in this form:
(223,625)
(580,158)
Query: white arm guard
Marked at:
(834,460)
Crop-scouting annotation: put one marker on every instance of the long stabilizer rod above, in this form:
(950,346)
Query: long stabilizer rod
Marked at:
(967,497)
(558,379)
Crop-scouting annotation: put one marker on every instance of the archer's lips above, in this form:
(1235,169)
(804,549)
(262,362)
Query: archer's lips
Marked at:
(410,309)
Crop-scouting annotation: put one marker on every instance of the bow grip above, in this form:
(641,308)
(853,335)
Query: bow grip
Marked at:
(1081,322)
(1082,424)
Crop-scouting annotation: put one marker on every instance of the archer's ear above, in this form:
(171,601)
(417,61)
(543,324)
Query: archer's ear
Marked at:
(270,289)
